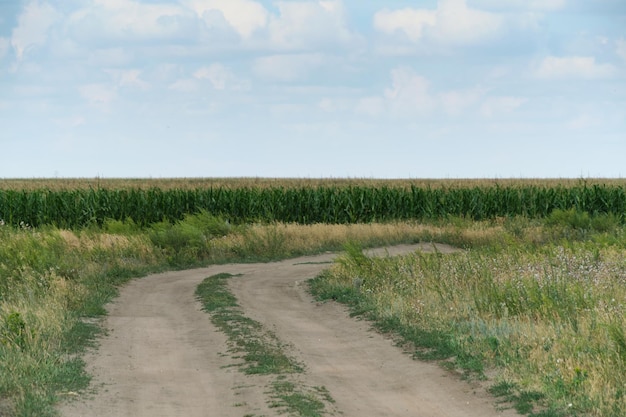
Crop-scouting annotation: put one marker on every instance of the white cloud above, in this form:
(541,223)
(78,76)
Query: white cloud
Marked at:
(521,5)
(184,85)
(456,102)
(33,26)
(221,77)
(495,106)
(545,5)
(620,48)
(110,57)
(218,76)
(370,106)
(409,93)
(128,78)
(244,16)
(573,67)
(4,47)
(70,122)
(336,104)
(411,96)
(130,20)
(457,23)
(217,24)
(583,121)
(310,24)
(452,22)
(410,21)
(287,67)
(98,95)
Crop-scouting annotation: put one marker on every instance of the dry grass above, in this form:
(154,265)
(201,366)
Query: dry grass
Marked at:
(103,241)
(257,182)
(550,318)
(262,242)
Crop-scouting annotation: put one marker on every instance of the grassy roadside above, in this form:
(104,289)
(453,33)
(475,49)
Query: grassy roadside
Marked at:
(538,308)
(55,283)
(262,352)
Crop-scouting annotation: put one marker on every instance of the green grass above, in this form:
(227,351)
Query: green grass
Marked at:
(529,403)
(262,352)
(295,400)
(46,291)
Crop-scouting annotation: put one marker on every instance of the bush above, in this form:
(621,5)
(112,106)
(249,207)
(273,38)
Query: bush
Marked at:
(571,219)
(576,224)
(187,240)
(121,227)
(211,226)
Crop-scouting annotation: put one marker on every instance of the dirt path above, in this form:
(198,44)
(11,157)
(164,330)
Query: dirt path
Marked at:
(163,357)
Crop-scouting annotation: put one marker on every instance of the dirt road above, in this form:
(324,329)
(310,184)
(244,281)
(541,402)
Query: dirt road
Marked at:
(163,357)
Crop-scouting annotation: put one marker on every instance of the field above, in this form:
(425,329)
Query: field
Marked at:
(533,305)
(346,203)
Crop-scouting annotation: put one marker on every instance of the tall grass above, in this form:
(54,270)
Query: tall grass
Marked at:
(49,280)
(547,320)
(54,282)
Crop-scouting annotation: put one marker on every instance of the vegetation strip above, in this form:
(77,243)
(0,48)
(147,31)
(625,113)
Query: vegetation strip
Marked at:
(304,205)
(544,313)
(51,279)
(256,182)
(54,285)
(261,351)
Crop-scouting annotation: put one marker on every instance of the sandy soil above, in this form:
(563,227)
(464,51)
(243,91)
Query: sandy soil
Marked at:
(163,357)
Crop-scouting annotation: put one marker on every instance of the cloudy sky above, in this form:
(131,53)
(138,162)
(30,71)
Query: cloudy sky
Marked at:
(313,88)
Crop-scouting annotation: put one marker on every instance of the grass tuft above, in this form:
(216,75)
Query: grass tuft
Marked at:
(261,350)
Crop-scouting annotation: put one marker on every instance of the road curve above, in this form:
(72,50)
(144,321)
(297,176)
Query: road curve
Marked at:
(161,355)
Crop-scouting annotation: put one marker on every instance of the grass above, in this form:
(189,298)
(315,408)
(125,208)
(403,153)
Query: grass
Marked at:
(51,282)
(262,352)
(565,340)
(524,402)
(299,401)
(540,309)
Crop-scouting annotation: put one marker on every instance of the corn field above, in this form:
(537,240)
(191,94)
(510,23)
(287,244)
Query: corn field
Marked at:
(305,205)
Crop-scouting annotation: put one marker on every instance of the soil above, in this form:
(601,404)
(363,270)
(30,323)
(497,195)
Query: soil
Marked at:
(162,356)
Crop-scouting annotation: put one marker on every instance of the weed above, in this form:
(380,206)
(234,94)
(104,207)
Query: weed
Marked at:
(295,400)
(13,332)
(261,351)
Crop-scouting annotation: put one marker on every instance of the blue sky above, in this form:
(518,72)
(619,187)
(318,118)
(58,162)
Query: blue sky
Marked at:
(333,88)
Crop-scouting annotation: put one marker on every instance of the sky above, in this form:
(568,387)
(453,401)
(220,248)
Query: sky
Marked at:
(313,88)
